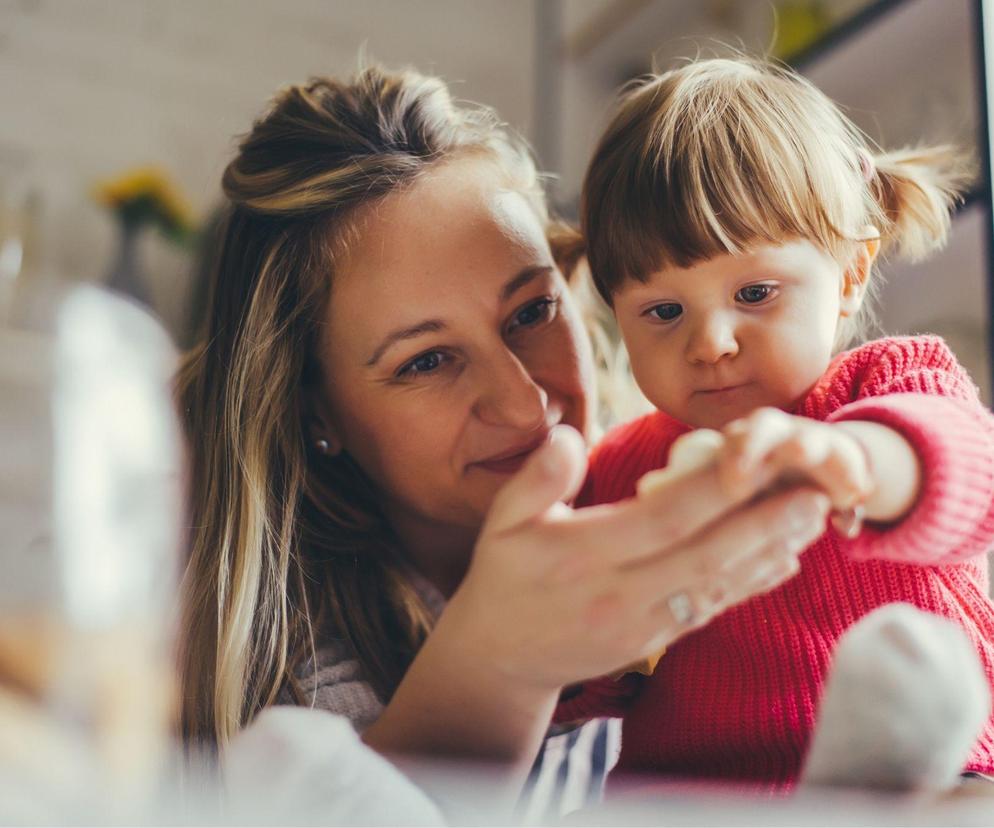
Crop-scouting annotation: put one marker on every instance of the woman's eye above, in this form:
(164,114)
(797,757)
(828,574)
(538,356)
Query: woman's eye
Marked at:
(423,364)
(532,314)
(754,294)
(667,312)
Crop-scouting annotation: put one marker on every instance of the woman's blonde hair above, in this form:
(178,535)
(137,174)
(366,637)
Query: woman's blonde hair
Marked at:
(724,154)
(284,539)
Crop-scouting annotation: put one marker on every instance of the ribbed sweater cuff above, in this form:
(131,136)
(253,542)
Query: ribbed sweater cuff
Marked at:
(952,519)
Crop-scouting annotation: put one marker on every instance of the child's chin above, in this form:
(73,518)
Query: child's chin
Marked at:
(716,409)
(717,417)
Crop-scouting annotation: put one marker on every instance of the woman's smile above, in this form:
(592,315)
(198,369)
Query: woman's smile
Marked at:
(509,461)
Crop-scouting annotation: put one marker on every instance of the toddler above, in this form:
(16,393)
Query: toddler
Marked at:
(732,216)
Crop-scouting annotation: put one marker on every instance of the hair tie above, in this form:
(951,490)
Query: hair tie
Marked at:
(866,165)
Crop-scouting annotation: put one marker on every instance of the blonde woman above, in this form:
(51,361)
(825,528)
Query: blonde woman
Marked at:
(386,416)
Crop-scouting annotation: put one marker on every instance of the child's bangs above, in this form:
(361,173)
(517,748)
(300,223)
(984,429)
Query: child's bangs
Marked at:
(731,200)
(724,166)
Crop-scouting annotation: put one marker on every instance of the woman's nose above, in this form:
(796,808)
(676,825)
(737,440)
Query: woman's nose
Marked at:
(509,396)
(712,338)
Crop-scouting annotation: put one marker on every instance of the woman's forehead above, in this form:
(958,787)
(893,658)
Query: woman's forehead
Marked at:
(459,220)
(454,238)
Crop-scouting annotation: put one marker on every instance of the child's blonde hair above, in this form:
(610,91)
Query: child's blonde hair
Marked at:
(722,155)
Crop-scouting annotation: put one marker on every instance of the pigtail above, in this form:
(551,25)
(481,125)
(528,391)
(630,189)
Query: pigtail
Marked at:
(916,190)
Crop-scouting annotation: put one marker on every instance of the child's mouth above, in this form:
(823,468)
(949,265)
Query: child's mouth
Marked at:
(725,390)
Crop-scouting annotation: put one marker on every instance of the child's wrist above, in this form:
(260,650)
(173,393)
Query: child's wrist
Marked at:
(893,467)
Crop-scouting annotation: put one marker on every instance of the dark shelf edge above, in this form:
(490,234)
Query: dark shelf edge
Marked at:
(841,33)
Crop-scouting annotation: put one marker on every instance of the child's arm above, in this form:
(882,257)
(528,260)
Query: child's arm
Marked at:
(915,386)
(893,467)
(855,462)
(927,446)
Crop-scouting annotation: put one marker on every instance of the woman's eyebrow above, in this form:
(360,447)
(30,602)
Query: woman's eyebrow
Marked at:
(428,326)
(527,275)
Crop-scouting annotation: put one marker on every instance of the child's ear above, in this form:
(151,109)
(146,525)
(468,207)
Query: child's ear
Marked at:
(857,275)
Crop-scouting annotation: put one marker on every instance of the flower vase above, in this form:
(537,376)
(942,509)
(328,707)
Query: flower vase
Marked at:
(125,275)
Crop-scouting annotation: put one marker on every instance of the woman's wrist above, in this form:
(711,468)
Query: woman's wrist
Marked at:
(455,701)
(453,706)
(488,659)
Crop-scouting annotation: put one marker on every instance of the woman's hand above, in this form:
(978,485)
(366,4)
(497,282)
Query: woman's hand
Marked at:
(556,595)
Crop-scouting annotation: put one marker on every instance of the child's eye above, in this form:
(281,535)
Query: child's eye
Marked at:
(533,313)
(755,294)
(667,312)
(425,363)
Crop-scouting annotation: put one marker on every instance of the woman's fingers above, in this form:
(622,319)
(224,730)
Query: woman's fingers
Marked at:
(683,611)
(658,520)
(552,474)
(653,604)
(750,552)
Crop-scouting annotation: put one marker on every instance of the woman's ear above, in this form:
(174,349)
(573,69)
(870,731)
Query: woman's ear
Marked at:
(321,433)
(856,278)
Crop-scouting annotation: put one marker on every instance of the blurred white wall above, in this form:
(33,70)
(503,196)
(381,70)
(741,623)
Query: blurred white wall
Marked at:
(90,88)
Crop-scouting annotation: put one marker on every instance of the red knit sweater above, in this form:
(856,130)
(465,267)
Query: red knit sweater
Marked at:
(737,699)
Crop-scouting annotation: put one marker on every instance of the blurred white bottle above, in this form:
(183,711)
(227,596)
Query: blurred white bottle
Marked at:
(90,517)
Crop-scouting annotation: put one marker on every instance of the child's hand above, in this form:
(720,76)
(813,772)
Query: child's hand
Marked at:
(775,446)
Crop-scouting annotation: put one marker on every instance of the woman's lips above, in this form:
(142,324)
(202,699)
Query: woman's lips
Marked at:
(509,462)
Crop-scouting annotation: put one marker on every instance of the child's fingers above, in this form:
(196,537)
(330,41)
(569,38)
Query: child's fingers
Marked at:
(836,466)
(748,442)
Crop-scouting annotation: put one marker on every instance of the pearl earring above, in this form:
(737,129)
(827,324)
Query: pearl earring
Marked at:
(322,446)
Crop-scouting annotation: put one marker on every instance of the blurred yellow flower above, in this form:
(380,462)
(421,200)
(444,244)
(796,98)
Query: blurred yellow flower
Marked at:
(799,25)
(147,195)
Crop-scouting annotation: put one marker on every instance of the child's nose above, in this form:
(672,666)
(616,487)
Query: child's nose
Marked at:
(712,339)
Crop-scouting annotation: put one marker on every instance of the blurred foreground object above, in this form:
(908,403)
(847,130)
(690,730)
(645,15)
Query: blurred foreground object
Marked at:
(905,701)
(295,766)
(90,505)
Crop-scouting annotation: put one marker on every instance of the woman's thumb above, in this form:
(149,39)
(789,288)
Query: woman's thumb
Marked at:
(552,474)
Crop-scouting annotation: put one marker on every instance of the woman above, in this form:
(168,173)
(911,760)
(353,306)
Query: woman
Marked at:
(386,414)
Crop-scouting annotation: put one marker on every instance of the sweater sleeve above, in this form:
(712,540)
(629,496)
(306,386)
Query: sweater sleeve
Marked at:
(916,387)
(335,683)
(600,698)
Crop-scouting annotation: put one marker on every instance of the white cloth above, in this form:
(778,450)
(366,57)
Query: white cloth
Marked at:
(295,766)
(903,705)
